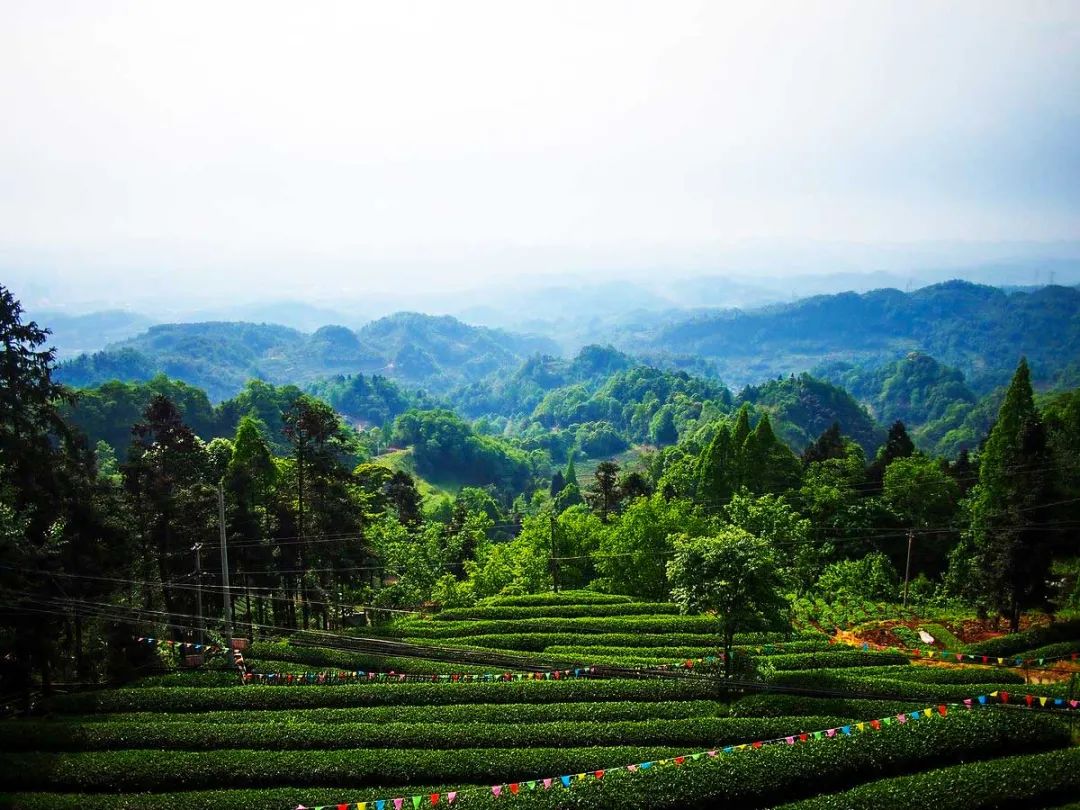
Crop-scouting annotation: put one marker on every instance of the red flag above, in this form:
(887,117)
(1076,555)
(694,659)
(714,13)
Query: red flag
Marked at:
(680,760)
(757,744)
(1004,697)
(942,709)
(1027,700)
(514,788)
(803,738)
(434,799)
(599,774)
(876,724)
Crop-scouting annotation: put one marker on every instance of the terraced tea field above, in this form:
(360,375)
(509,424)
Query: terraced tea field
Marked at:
(809,725)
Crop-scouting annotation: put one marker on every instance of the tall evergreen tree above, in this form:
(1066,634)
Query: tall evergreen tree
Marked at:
(1010,506)
(767,464)
(829,444)
(717,467)
(897,445)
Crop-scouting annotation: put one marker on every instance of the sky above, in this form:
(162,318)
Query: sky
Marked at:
(174,151)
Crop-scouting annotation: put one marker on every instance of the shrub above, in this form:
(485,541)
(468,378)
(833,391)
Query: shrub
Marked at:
(265,655)
(563,598)
(502,612)
(602,624)
(462,713)
(198,735)
(770,705)
(1034,780)
(778,773)
(836,659)
(890,687)
(129,771)
(1028,639)
(922,674)
(193,699)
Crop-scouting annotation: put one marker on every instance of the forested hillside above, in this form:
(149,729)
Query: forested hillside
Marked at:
(426,351)
(980,330)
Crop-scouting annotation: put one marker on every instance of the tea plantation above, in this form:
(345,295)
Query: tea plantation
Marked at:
(804,723)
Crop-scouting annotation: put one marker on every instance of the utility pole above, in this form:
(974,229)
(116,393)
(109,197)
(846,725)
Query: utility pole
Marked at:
(907,568)
(554,556)
(197,548)
(225,570)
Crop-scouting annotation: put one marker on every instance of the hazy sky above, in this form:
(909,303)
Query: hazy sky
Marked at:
(312,146)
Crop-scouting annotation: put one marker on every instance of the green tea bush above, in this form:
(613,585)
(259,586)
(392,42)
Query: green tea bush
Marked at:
(772,705)
(298,735)
(563,598)
(462,713)
(921,674)
(780,773)
(605,624)
(888,686)
(129,771)
(943,636)
(1029,639)
(1033,780)
(193,699)
(505,612)
(269,657)
(836,659)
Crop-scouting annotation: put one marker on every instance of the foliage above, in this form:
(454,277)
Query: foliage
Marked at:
(733,575)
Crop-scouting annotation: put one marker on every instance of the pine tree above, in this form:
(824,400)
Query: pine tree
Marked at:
(717,467)
(829,444)
(1009,506)
(767,464)
(571,473)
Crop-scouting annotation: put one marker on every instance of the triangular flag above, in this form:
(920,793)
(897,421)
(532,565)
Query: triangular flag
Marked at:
(416,801)
(631,768)
(942,709)
(496,789)
(581,777)
(398,803)
(514,788)
(565,780)
(547,784)
(531,784)
(598,774)
(451,796)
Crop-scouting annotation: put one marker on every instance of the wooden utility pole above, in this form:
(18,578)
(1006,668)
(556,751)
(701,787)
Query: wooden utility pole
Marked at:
(225,571)
(554,556)
(907,568)
(197,548)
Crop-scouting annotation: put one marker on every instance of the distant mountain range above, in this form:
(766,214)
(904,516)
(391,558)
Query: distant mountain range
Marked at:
(980,330)
(422,350)
(975,331)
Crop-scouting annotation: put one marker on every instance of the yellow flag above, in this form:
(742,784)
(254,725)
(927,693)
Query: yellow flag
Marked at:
(1001,661)
(993,694)
(1042,700)
(580,777)
(860,726)
(361,806)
